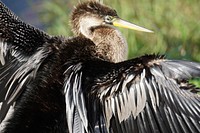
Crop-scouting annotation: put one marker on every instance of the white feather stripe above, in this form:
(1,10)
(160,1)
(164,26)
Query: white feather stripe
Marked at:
(132,99)
(139,99)
(125,106)
(3,51)
(114,88)
(81,104)
(151,94)
(7,117)
(77,126)
(74,89)
(18,89)
(126,81)
(143,90)
(104,93)
(155,87)
(68,84)
(117,107)
(108,112)
(155,72)
(122,107)
(113,106)
(69,106)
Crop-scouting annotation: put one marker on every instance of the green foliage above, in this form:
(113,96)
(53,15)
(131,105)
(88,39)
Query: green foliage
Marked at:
(196,82)
(55,14)
(175,24)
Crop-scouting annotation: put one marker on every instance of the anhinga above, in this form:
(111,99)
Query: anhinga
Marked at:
(82,84)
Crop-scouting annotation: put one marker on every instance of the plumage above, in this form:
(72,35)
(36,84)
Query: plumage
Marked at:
(83,83)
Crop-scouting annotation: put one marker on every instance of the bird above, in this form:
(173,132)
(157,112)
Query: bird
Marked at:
(84,83)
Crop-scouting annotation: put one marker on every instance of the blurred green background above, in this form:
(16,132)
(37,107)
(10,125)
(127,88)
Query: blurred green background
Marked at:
(176,25)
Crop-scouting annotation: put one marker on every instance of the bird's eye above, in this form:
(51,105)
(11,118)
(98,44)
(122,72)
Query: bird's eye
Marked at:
(108,19)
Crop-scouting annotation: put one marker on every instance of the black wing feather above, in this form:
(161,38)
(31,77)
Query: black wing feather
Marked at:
(17,38)
(22,50)
(141,95)
(75,104)
(180,70)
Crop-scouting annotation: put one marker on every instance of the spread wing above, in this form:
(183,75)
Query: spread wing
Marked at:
(147,94)
(22,50)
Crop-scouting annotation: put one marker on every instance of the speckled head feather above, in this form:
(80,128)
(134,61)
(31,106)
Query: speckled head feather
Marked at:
(90,9)
(95,8)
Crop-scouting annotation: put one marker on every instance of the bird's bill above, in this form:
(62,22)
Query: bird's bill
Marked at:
(125,24)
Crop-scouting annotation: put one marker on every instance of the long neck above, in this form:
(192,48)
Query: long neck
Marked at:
(110,43)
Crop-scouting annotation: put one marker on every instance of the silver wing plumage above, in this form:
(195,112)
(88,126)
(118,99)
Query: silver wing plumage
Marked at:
(147,94)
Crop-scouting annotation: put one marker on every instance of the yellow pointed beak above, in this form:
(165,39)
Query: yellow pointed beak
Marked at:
(124,24)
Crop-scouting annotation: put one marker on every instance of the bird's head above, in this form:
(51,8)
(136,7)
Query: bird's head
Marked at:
(89,15)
